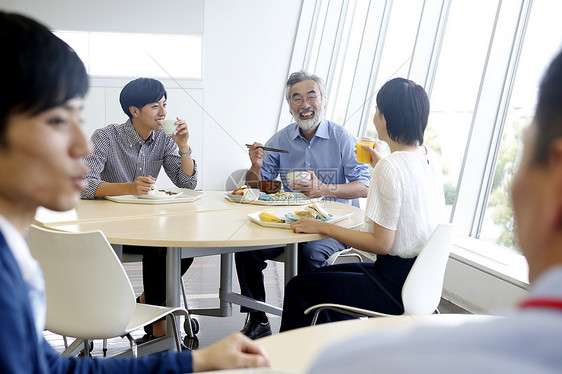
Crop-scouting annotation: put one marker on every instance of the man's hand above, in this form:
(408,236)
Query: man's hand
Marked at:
(182,135)
(256,155)
(234,351)
(141,185)
(312,188)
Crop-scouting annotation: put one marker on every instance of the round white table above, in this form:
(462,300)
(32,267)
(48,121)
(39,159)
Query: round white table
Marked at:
(210,225)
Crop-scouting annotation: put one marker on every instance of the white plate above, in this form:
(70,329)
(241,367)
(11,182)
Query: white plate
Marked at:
(187,196)
(337,215)
(176,193)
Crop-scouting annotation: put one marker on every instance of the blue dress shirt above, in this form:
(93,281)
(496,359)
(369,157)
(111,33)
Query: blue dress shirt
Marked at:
(330,155)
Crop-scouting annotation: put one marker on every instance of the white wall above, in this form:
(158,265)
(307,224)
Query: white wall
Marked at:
(480,291)
(247,49)
(247,46)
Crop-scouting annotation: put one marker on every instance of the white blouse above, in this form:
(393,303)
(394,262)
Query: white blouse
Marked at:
(406,195)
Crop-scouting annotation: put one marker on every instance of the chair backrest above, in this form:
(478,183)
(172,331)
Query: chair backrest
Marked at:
(422,289)
(89,295)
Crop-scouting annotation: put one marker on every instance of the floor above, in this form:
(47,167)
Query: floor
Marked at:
(201,282)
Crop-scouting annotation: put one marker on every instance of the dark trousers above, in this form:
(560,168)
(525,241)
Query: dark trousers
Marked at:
(375,286)
(250,265)
(154,271)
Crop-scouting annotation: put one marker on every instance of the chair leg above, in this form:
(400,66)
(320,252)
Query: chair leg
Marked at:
(104,349)
(183,293)
(176,332)
(188,326)
(133,344)
(65,342)
(73,348)
(315,317)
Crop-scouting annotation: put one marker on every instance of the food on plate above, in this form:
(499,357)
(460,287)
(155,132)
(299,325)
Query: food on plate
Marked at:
(281,196)
(240,190)
(304,213)
(162,193)
(312,211)
(270,216)
(270,186)
(317,209)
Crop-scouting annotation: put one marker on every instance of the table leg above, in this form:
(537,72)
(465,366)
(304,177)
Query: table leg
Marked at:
(173,255)
(226,283)
(172,276)
(290,261)
(227,297)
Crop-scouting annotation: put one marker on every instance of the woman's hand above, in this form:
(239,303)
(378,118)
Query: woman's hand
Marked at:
(308,226)
(234,351)
(375,153)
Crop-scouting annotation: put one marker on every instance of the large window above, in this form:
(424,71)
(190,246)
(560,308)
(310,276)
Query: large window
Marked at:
(479,60)
(539,47)
(132,55)
(457,80)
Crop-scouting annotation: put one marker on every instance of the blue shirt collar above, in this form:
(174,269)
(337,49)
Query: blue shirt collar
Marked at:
(321,131)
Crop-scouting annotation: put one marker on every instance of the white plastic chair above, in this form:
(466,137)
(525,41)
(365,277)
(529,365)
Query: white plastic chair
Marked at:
(81,308)
(423,287)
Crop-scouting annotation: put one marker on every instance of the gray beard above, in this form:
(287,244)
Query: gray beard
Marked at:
(308,124)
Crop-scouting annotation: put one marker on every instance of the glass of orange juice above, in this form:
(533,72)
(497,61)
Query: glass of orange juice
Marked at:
(364,156)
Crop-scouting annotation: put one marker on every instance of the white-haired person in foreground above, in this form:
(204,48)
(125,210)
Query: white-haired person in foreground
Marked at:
(530,339)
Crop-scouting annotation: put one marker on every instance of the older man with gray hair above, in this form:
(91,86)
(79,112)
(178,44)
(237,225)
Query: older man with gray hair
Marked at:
(324,149)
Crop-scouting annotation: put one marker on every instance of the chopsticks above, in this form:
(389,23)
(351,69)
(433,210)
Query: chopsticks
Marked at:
(269,149)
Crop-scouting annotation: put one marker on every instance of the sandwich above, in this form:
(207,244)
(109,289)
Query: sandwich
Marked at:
(315,211)
(304,213)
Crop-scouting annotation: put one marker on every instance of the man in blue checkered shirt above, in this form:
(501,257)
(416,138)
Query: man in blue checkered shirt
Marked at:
(126,160)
